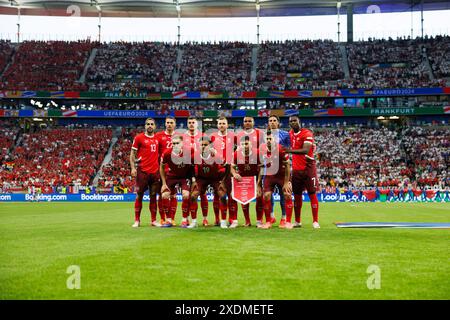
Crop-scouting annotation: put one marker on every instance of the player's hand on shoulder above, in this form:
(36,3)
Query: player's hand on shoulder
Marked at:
(237,177)
(133,172)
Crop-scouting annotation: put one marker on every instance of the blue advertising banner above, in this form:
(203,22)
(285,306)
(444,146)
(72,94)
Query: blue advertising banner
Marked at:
(130,197)
(116,113)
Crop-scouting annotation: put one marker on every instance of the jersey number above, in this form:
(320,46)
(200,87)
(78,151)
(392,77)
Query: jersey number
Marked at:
(153,147)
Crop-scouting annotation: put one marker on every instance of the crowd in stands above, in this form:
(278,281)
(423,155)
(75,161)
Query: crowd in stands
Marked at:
(388,64)
(58,156)
(8,134)
(438,50)
(117,173)
(52,65)
(361,157)
(297,65)
(224,66)
(130,66)
(6,50)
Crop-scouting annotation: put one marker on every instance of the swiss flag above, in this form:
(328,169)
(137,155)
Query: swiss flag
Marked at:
(431,194)
(370,194)
(249,94)
(66,163)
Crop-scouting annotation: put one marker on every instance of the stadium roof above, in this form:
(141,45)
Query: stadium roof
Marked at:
(211,8)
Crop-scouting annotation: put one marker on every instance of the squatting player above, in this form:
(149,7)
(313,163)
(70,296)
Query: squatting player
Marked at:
(247,162)
(276,173)
(304,172)
(180,170)
(211,171)
(165,143)
(254,135)
(145,151)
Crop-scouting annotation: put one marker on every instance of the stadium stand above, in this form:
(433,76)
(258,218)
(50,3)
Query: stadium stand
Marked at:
(57,156)
(117,172)
(438,50)
(6,50)
(388,64)
(132,66)
(365,157)
(280,63)
(53,65)
(224,66)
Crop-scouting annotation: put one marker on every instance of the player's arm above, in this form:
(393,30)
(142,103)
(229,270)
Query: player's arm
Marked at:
(287,175)
(133,162)
(234,173)
(304,150)
(259,181)
(162,173)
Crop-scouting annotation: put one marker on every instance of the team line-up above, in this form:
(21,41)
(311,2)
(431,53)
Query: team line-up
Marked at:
(167,161)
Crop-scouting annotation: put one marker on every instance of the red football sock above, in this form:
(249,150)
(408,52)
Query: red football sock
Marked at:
(185,207)
(173,206)
(204,204)
(260,208)
(314,207)
(138,207)
(223,208)
(267,205)
(152,207)
(288,207)
(216,207)
(161,210)
(246,210)
(232,205)
(165,203)
(298,207)
(193,207)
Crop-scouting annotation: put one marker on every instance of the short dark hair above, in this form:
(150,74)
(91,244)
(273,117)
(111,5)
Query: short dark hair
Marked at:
(150,119)
(275,116)
(171,117)
(222,118)
(192,118)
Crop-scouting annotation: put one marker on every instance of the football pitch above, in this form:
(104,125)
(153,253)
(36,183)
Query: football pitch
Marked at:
(41,241)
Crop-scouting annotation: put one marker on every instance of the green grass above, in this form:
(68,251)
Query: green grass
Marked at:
(39,241)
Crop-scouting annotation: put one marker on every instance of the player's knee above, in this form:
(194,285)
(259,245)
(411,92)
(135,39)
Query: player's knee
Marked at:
(185,196)
(166,195)
(194,196)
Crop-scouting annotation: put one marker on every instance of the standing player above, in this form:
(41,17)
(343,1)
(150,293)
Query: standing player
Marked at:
(304,173)
(193,137)
(224,141)
(179,172)
(254,136)
(276,172)
(281,138)
(165,143)
(210,172)
(246,161)
(145,151)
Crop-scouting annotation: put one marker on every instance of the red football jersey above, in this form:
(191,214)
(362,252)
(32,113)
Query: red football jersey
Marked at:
(248,166)
(273,162)
(224,145)
(254,135)
(299,161)
(165,141)
(147,148)
(177,166)
(193,141)
(210,168)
